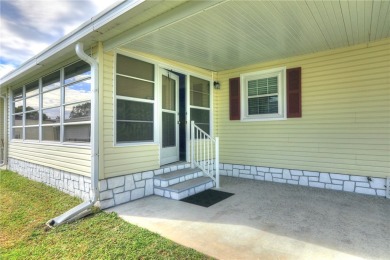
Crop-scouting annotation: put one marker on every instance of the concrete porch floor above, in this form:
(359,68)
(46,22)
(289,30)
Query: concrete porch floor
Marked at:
(265,220)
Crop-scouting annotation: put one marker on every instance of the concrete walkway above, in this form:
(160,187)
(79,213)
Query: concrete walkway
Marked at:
(265,220)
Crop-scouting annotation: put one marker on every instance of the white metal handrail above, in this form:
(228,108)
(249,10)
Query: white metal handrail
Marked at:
(205,153)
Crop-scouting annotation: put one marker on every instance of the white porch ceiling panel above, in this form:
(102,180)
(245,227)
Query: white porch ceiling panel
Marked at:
(238,33)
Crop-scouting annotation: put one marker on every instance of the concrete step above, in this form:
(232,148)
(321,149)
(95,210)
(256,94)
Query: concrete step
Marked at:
(184,189)
(175,177)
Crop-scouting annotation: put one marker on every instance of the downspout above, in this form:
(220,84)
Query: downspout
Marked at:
(84,208)
(5,126)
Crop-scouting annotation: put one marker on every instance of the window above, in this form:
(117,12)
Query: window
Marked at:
(56,107)
(200,102)
(263,95)
(135,90)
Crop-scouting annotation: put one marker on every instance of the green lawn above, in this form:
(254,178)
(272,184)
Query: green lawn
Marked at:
(26,205)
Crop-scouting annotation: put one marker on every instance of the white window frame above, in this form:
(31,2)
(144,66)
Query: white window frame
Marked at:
(280,73)
(154,101)
(62,123)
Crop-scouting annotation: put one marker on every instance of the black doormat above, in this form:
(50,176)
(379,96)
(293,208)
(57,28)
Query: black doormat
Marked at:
(207,198)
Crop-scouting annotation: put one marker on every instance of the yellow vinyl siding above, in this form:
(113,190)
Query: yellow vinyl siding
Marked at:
(120,160)
(67,158)
(2,141)
(345,124)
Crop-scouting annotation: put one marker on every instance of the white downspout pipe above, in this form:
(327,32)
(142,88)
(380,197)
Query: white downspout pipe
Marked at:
(5,126)
(83,209)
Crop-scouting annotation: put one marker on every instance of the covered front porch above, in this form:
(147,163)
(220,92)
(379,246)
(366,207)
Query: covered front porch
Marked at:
(265,220)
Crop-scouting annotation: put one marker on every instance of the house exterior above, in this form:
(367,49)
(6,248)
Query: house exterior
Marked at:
(297,92)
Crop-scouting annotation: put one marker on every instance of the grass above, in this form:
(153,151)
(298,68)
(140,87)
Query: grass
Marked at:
(25,206)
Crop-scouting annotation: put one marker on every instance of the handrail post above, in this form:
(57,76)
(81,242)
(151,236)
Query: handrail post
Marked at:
(217,162)
(192,145)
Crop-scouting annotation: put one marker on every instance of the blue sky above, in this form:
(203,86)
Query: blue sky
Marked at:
(29,26)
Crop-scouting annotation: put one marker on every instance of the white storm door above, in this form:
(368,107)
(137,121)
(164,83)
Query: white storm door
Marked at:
(169,117)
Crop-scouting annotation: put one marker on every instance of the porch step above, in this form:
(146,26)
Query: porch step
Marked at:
(176,177)
(184,189)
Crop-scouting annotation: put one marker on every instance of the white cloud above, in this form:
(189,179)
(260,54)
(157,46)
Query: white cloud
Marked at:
(6,68)
(29,26)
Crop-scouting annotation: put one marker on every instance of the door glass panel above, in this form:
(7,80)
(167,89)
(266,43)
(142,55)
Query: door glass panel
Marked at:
(169,129)
(168,93)
(200,92)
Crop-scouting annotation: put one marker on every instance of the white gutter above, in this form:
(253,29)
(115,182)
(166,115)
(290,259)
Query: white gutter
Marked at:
(84,208)
(5,149)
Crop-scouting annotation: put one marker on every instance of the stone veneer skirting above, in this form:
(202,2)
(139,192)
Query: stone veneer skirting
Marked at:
(73,184)
(334,181)
(113,191)
(122,189)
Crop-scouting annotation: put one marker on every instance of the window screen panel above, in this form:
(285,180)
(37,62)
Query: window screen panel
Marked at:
(134,68)
(129,87)
(134,131)
(32,133)
(135,111)
(77,133)
(51,133)
(199,92)
(201,118)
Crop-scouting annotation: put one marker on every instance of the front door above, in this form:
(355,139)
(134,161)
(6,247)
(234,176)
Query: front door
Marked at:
(169,117)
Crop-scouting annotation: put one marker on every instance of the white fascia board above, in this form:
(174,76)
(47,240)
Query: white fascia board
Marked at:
(82,31)
(177,14)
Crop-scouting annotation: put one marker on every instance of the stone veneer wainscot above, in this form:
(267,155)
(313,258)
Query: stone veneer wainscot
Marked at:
(333,181)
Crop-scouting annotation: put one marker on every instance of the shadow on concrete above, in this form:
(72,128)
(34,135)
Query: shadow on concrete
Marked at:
(267,220)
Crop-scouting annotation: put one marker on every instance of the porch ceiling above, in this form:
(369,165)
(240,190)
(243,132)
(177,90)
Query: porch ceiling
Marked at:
(232,34)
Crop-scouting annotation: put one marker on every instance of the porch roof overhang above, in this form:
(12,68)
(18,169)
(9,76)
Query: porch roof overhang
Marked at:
(220,34)
(231,34)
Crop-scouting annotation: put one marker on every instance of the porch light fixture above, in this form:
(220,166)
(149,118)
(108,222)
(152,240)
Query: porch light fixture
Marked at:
(217,85)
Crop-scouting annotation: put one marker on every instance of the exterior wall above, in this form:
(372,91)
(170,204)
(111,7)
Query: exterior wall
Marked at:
(324,180)
(73,184)
(72,159)
(118,160)
(345,116)
(1,129)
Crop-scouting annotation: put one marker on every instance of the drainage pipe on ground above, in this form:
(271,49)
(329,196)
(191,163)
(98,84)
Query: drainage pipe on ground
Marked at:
(5,135)
(84,208)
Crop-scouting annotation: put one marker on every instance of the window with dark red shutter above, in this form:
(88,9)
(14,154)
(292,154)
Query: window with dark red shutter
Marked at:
(234,98)
(294,100)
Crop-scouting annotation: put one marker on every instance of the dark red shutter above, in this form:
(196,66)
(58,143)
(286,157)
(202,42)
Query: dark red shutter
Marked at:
(294,99)
(234,98)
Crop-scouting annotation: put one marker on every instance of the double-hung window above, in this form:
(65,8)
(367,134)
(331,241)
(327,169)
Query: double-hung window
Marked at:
(135,98)
(263,95)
